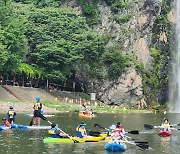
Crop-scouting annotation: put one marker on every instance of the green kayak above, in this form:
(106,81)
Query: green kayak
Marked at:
(57,140)
(68,140)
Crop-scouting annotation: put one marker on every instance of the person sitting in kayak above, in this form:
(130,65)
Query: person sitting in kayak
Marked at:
(91,112)
(121,129)
(5,122)
(11,114)
(56,133)
(115,136)
(85,112)
(165,126)
(81,131)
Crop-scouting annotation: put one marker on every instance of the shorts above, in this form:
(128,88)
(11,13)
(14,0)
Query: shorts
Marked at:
(36,113)
(10,120)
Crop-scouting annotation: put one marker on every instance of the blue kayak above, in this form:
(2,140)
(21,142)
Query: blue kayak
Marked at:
(115,147)
(5,127)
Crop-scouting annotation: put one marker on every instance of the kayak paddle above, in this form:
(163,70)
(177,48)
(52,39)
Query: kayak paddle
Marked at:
(140,145)
(31,122)
(130,132)
(94,133)
(44,118)
(148,126)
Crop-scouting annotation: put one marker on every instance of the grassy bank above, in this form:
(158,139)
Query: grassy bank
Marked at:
(69,107)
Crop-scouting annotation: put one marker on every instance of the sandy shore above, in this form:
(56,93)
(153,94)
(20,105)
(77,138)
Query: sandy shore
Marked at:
(24,107)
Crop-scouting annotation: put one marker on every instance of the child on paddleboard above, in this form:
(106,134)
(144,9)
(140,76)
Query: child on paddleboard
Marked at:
(11,115)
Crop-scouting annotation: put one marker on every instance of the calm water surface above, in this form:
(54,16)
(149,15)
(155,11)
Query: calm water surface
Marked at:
(30,142)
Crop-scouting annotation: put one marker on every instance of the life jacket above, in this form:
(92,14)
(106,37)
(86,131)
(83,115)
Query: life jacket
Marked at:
(11,113)
(6,123)
(79,131)
(85,112)
(53,134)
(165,125)
(37,106)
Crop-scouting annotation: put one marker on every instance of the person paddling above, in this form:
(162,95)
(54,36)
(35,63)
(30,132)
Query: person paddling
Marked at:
(81,131)
(56,133)
(121,129)
(5,122)
(165,126)
(37,111)
(11,115)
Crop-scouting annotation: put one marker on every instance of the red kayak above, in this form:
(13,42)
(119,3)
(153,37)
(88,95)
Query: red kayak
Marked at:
(165,133)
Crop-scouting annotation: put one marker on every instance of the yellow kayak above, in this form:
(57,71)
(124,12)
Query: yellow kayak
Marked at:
(68,140)
(86,115)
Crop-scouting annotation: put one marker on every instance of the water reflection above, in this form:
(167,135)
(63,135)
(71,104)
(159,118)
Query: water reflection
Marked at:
(31,142)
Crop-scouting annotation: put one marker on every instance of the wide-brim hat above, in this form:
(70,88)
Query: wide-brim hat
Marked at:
(82,124)
(112,127)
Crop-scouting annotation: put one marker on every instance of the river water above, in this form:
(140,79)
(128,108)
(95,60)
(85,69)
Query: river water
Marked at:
(31,142)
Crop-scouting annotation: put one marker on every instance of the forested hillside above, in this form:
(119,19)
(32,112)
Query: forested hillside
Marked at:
(116,48)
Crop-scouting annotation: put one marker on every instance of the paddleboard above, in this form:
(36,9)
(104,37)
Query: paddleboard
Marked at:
(32,127)
(31,115)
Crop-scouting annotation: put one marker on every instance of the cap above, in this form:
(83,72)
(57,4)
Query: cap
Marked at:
(38,98)
(3,118)
(10,107)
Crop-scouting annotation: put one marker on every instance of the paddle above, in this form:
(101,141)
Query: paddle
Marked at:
(94,133)
(31,122)
(44,118)
(130,132)
(148,126)
(140,145)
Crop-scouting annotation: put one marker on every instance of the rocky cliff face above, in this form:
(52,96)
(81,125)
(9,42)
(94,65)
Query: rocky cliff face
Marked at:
(131,28)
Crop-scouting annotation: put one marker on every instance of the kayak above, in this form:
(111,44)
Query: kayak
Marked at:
(68,140)
(164,133)
(31,115)
(33,127)
(115,147)
(6,128)
(86,115)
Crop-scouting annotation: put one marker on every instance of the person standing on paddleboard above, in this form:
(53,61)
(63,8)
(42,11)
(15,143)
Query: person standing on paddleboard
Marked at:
(11,115)
(37,111)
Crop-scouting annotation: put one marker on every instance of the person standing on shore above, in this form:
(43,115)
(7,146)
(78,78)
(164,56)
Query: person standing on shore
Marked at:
(11,115)
(37,111)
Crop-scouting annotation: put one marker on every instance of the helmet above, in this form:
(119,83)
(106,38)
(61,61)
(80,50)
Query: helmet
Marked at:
(10,107)
(38,98)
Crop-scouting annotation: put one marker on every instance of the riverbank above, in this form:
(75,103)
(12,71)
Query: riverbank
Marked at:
(56,107)
(24,107)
